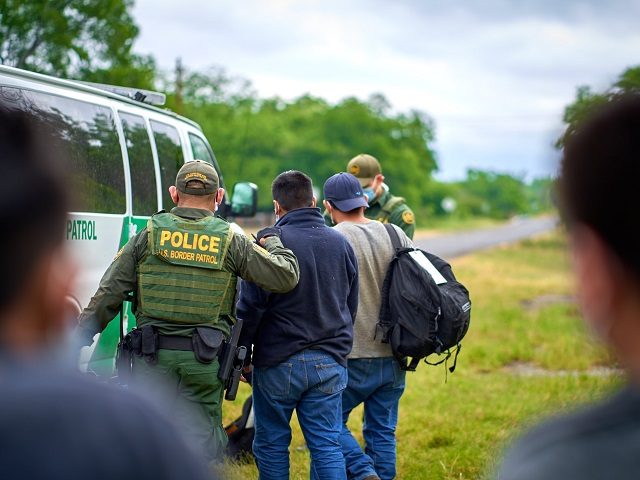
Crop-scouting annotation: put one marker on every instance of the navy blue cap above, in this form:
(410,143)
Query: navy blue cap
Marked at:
(345,192)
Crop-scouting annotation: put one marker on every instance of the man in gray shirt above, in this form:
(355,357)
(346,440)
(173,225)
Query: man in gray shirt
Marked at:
(601,442)
(375,377)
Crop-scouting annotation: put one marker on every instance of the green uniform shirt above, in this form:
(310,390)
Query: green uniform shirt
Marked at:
(400,215)
(274,269)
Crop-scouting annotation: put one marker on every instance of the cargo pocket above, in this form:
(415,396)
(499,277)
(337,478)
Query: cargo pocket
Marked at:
(333,378)
(275,381)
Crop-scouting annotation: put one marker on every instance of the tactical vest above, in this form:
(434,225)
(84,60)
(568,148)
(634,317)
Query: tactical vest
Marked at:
(387,209)
(182,278)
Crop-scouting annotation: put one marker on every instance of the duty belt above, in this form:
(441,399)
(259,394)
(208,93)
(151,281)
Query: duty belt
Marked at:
(174,342)
(206,343)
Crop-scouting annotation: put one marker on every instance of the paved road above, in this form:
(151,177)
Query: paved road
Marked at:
(456,244)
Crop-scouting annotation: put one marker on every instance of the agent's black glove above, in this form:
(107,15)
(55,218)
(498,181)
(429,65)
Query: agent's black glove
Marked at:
(268,232)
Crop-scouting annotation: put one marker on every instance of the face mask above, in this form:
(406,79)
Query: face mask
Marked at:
(370,193)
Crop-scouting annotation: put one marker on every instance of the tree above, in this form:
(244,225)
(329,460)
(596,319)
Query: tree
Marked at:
(492,194)
(256,139)
(587,101)
(84,39)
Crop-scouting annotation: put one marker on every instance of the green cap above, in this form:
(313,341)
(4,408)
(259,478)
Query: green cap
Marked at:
(201,171)
(364,167)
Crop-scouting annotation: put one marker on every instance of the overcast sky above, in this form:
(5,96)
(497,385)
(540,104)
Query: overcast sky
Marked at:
(495,75)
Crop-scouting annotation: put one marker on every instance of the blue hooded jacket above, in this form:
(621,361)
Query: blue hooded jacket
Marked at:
(317,314)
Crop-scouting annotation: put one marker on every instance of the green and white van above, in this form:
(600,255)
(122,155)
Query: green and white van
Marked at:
(123,155)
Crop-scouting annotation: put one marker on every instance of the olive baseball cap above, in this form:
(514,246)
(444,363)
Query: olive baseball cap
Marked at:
(202,172)
(364,167)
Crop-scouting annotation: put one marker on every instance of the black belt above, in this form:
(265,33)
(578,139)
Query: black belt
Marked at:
(174,342)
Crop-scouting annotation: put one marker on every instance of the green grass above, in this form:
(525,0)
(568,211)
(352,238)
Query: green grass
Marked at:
(458,428)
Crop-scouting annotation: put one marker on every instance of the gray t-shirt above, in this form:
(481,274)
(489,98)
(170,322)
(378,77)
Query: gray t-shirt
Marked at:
(372,245)
(599,443)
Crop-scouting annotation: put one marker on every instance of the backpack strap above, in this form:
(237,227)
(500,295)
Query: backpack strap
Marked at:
(405,364)
(393,235)
(384,322)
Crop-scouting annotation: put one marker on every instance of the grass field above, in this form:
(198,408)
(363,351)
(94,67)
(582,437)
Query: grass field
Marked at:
(526,355)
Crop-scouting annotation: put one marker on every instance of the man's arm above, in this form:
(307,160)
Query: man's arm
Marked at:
(116,283)
(273,268)
(403,217)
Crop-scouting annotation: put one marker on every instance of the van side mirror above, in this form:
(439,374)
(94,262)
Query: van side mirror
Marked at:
(244,199)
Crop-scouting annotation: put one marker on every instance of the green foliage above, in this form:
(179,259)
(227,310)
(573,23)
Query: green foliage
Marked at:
(256,139)
(587,101)
(500,195)
(540,194)
(85,39)
(488,194)
(629,80)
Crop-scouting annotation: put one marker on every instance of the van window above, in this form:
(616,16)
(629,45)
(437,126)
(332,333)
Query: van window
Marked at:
(87,135)
(143,175)
(169,157)
(200,149)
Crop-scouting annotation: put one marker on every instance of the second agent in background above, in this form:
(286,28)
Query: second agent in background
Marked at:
(184,298)
(383,206)
(301,339)
(375,377)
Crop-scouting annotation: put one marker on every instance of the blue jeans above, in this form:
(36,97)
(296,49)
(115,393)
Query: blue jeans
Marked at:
(311,382)
(379,384)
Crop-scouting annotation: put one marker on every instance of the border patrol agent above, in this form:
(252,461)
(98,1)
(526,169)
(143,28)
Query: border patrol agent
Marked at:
(182,269)
(383,206)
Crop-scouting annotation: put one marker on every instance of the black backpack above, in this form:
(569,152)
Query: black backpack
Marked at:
(419,317)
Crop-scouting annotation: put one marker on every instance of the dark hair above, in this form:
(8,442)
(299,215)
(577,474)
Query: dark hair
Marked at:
(33,201)
(292,189)
(600,174)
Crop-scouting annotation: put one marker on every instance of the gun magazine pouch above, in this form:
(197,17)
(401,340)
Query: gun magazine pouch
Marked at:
(149,344)
(206,343)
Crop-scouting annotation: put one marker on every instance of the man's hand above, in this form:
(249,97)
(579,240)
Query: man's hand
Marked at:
(265,233)
(247,374)
(83,337)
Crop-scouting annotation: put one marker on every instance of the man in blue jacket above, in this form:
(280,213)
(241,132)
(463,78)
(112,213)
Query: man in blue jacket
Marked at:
(301,339)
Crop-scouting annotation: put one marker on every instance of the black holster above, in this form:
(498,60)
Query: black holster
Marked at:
(124,359)
(141,342)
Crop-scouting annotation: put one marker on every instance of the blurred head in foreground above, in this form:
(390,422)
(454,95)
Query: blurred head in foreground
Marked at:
(599,199)
(36,272)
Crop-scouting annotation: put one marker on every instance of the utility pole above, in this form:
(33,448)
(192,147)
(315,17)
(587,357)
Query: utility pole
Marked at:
(179,86)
